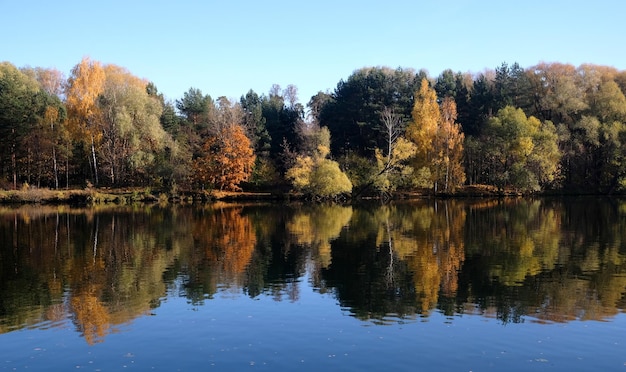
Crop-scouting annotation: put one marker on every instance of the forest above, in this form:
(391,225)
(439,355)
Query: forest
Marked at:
(550,128)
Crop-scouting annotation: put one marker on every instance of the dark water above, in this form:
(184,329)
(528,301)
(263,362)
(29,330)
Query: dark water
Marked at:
(449,285)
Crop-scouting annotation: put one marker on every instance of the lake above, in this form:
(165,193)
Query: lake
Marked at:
(461,285)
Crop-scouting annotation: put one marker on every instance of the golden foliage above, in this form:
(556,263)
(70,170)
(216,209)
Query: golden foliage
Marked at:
(438,138)
(300,173)
(430,241)
(449,159)
(318,227)
(318,176)
(426,118)
(90,315)
(84,86)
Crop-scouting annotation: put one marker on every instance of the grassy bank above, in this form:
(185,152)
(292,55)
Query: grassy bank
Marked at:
(95,196)
(80,197)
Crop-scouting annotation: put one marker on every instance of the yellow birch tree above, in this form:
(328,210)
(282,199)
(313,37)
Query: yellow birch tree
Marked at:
(438,138)
(450,157)
(423,130)
(84,86)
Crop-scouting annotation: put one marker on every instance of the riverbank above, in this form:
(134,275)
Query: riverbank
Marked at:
(95,196)
(80,197)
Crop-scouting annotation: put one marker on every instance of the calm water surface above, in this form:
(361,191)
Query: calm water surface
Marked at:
(455,285)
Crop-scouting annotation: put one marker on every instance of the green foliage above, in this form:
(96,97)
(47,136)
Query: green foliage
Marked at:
(512,87)
(314,140)
(393,170)
(254,122)
(132,132)
(521,152)
(281,123)
(316,104)
(27,113)
(119,128)
(594,144)
(612,171)
(543,161)
(264,174)
(327,180)
(558,94)
(423,178)
(458,86)
(609,103)
(195,106)
(483,105)
(353,113)
(359,169)
(169,119)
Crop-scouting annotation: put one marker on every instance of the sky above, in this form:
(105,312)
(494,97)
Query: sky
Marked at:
(226,48)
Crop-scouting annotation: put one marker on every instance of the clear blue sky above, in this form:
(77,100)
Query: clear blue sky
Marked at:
(227,47)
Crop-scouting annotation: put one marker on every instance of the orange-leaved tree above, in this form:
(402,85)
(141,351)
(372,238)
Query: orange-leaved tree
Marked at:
(227,160)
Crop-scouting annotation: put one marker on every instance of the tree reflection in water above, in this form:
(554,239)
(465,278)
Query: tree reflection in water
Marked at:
(541,260)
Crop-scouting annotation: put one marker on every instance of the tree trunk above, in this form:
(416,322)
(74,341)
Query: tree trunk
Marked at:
(56,169)
(67,170)
(95,166)
(13,161)
(13,165)
(54,157)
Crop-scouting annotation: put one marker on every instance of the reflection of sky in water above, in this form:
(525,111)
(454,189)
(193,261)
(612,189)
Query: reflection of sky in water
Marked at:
(233,331)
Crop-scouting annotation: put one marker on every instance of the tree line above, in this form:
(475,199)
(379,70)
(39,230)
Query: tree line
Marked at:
(549,127)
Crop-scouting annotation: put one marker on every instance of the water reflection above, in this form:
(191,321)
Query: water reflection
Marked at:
(398,259)
(512,259)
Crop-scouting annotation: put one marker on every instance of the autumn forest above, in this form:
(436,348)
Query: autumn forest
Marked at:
(551,127)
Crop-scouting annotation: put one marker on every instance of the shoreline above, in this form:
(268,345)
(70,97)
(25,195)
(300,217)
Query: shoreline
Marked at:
(124,196)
